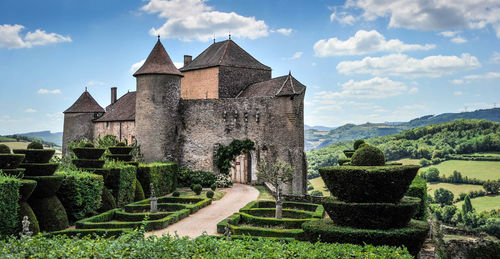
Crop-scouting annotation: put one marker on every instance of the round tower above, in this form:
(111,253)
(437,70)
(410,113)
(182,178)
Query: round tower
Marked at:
(157,102)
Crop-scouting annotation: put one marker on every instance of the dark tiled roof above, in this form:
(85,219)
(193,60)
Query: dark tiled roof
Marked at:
(224,53)
(279,86)
(122,110)
(85,104)
(158,62)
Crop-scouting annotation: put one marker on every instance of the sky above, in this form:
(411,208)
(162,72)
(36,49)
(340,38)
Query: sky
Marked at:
(361,60)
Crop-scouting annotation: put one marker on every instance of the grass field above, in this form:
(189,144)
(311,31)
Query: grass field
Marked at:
(484,203)
(319,185)
(16,145)
(264,193)
(483,170)
(187,192)
(456,189)
(408,161)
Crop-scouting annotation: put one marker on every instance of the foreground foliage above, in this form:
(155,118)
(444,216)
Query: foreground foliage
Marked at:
(134,245)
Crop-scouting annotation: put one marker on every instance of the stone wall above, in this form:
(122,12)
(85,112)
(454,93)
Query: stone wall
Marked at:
(200,84)
(123,130)
(76,127)
(274,124)
(234,79)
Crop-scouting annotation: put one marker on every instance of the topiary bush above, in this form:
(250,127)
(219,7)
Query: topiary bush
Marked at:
(4,149)
(35,145)
(368,156)
(10,161)
(213,187)
(139,192)
(176,194)
(186,178)
(9,204)
(35,155)
(197,189)
(418,188)
(121,144)
(39,169)
(358,143)
(162,175)
(50,213)
(88,152)
(210,194)
(121,182)
(108,202)
(89,144)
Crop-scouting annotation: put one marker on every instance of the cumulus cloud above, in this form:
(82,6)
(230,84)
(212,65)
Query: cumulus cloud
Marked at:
(30,110)
(432,15)
(375,88)
(343,18)
(296,55)
(284,31)
(11,38)
(364,42)
(454,35)
(193,19)
(402,65)
(46,91)
(459,40)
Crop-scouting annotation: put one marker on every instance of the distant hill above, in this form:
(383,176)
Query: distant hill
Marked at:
(319,128)
(315,139)
(47,137)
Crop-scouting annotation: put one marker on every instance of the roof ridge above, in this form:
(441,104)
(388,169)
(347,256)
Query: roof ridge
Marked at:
(282,86)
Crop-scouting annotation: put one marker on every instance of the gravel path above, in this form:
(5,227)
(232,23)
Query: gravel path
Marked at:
(206,219)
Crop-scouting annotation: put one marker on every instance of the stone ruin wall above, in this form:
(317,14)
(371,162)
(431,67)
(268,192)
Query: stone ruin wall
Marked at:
(123,130)
(232,80)
(76,127)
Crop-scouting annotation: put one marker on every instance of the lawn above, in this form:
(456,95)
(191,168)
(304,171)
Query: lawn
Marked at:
(483,170)
(264,193)
(408,161)
(187,192)
(16,145)
(456,189)
(487,203)
(319,185)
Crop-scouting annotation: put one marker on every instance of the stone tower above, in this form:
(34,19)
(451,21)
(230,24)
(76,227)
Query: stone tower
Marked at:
(78,119)
(157,102)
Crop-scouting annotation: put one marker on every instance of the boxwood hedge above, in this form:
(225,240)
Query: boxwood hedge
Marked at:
(162,175)
(35,155)
(9,203)
(317,210)
(418,188)
(121,182)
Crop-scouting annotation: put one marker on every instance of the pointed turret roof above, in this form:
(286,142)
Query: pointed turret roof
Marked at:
(158,62)
(85,104)
(279,86)
(224,53)
(122,110)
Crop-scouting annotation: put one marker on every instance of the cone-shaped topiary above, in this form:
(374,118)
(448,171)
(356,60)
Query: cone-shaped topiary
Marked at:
(35,145)
(4,149)
(368,156)
(358,143)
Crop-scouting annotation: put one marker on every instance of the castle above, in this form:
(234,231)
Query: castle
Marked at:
(184,115)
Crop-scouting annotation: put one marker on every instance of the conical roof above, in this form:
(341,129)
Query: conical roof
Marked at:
(85,104)
(158,62)
(279,86)
(225,53)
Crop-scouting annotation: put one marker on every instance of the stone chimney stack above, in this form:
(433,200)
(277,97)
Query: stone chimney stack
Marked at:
(113,95)
(187,60)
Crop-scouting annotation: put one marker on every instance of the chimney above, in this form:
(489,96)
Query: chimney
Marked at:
(187,60)
(113,95)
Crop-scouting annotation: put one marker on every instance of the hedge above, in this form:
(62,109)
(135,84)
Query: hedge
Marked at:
(88,153)
(371,215)
(88,163)
(170,204)
(117,150)
(50,213)
(80,193)
(121,182)
(10,161)
(35,155)
(120,157)
(418,188)
(46,186)
(45,169)
(318,210)
(9,204)
(108,202)
(135,245)
(285,222)
(187,177)
(139,192)
(106,233)
(369,183)
(162,175)
(412,236)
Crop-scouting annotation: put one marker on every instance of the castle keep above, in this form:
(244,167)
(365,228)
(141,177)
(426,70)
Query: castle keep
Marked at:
(184,115)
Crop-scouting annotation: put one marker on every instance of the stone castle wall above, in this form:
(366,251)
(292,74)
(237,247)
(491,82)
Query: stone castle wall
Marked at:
(123,130)
(232,80)
(77,126)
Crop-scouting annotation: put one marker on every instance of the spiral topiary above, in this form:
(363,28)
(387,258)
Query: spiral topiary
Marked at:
(358,143)
(89,144)
(368,156)
(35,145)
(4,149)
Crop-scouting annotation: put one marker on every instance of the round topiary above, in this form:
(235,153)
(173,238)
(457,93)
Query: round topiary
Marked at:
(121,144)
(4,149)
(176,194)
(35,145)
(213,187)
(197,189)
(368,156)
(358,143)
(192,186)
(210,194)
(89,144)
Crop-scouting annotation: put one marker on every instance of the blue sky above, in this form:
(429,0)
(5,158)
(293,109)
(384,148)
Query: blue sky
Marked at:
(362,60)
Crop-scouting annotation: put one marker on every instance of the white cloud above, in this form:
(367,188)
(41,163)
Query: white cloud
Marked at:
(413,90)
(432,15)
(46,91)
(313,64)
(364,42)
(457,81)
(402,65)
(469,78)
(284,31)
(454,35)
(495,58)
(193,19)
(448,34)
(30,110)
(459,40)
(11,38)
(94,82)
(139,64)
(375,88)
(297,55)
(332,17)
(457,93)
(343,18)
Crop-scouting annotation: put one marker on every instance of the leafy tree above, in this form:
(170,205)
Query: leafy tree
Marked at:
(448,213)
(276,174)
(443,196)
(467,206)
(492,186)
(432,174)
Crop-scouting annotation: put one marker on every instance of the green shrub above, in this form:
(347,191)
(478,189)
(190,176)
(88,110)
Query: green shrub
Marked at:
(213,187)
(316,193)
(139,192)
(88,163)
(10,161)
(187,177)
(44,169)
(88,152)
(121,144)
(4,149)
(80,193)
(121,182)
(418,188)
(210,194)
(89,144)
(342,161)
(108,202)
(371,215)
(348,153)
(369,184)
(46,186)
(35,145)
(358,143)
(412,236)
(9,204)
(368,156)
(50,213)
(197,189)
(90,233)
(443,196)
(162,175)
(35,155)
(176,194)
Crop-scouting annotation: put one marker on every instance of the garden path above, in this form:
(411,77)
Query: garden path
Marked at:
(206,219)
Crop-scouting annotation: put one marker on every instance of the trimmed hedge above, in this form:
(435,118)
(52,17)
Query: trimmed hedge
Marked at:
(162,175)
(26,189)
(18,172)
(10,161)
(371,215)
(317,210)
(35,155)
(50,213)
(367,155)
(186,178)
(349,153)
(80,193)
(120,157)
(342,161)
(44,169)
(119,150)
(121,182)
(35,145)
(287,213)
(108,202)
(369,183)
(88,163)
(412,236)
(105,233)
(286,222)
(46,185)
(418,188)
(9,204)
(170,204)
(4,149)
(88,152)
(139,192)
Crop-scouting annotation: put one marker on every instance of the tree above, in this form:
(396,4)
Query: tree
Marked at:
(276,174)
(491,186)
(443,196)
(467,206)
(432,174)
